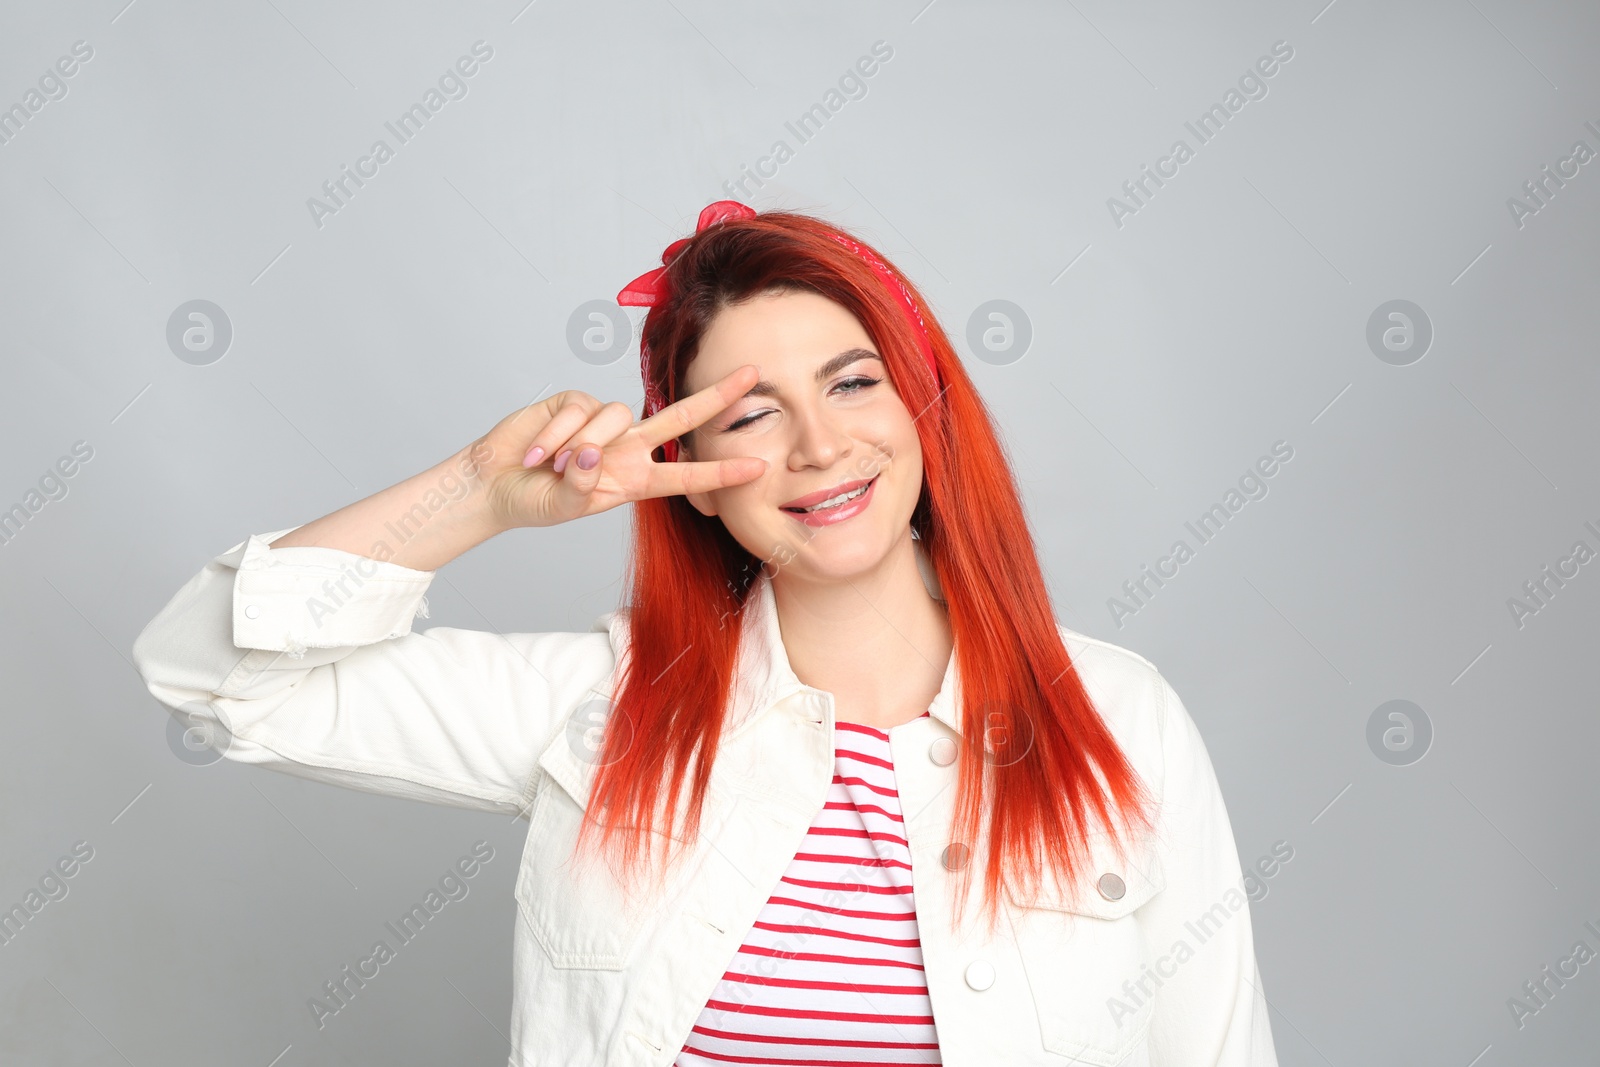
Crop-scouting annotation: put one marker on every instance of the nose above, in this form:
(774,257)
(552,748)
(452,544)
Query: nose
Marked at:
(819,441)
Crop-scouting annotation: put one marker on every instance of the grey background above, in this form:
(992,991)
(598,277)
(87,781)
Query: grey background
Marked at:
(1230,312)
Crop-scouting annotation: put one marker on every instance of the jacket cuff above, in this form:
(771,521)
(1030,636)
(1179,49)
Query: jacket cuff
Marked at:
(300,597)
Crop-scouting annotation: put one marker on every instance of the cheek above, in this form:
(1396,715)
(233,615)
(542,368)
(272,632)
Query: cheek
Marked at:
(894,443)
(742,507)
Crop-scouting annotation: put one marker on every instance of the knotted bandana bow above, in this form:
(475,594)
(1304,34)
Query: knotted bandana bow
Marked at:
(650,288)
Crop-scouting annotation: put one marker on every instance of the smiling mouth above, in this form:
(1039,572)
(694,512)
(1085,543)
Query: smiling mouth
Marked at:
(834,501)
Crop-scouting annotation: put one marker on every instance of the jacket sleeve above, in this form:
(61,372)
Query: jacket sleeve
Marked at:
(1210,1010)
(302,659)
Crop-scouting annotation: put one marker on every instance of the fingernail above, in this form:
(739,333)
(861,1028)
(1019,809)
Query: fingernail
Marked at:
(588,458)
(561,461)
(535,454)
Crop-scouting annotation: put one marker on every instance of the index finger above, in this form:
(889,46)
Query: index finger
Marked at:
(677,419)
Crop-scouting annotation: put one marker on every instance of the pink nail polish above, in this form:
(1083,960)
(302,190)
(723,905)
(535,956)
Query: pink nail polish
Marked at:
(561,461)
(589,458)
(535,454)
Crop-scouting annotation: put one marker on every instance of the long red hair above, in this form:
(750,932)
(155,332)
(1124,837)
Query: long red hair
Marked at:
(1028,725)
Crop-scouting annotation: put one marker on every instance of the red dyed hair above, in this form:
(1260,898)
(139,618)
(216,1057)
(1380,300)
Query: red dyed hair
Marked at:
(1031,735)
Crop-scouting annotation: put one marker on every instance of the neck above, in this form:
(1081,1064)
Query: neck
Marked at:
(879,642)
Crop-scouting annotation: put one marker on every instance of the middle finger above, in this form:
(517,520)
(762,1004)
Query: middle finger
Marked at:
(677,419)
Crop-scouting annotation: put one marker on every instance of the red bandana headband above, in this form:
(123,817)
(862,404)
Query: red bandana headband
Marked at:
(651,287)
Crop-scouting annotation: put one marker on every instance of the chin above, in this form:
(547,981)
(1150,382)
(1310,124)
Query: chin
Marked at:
(841,554)
(847,547)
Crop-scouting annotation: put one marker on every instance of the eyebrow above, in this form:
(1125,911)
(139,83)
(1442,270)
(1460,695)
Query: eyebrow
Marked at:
(824,372)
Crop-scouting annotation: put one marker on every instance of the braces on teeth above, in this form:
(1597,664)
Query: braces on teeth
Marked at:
(834,501)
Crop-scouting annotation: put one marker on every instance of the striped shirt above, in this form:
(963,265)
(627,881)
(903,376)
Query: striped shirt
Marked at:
(831,973)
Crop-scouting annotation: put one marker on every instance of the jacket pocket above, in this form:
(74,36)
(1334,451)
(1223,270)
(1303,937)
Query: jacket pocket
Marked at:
(573,904)
(1086,957)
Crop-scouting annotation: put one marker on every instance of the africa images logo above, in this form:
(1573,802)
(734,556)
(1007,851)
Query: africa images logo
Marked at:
(409,123)
(1252,85)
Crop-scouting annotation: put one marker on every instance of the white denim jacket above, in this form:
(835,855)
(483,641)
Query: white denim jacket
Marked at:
(303,659)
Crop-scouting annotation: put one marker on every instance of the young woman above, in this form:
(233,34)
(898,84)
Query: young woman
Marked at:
(837,693)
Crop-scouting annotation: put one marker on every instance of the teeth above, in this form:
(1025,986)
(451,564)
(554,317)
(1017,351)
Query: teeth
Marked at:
(835,501)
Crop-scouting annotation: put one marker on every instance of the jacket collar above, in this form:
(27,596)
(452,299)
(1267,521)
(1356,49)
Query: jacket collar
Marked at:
(763,676)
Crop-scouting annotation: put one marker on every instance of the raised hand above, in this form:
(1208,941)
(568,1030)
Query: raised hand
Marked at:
(570,455)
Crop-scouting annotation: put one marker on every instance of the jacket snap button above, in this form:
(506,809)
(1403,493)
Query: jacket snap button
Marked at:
(980,975)
(955,856)
(943,751)
(1112,887)
(251,611)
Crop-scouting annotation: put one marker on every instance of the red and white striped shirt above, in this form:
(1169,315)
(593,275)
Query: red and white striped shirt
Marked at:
(831,973)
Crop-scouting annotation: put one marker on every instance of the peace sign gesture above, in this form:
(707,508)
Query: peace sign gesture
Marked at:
(570,455)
